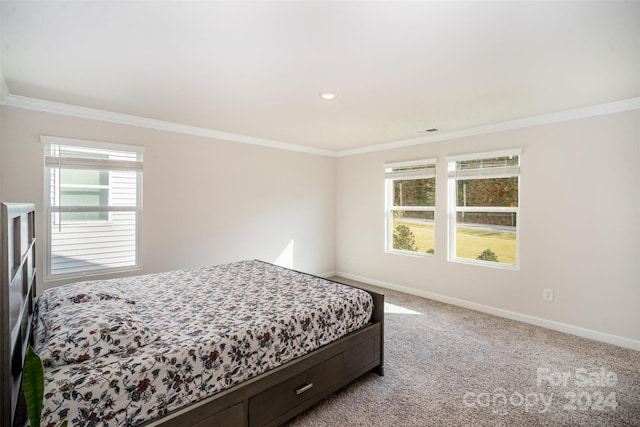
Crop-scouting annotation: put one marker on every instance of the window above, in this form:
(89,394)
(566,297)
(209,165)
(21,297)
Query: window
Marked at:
(410,207)
(484,191)
(94,207)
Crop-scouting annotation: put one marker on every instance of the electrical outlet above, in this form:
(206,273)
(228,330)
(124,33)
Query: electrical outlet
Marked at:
(547,294)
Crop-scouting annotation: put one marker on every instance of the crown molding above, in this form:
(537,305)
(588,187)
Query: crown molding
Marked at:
(126,119)
(35,104)
(543,119)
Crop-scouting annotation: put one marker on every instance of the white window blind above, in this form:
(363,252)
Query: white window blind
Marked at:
(94,206)
(498,164)
(422,169)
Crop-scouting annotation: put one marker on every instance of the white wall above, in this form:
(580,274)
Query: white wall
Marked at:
(205,201)
(208,202)
(579,218)
(1,166)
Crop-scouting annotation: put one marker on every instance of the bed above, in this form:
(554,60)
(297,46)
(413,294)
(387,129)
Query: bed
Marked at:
(247,343)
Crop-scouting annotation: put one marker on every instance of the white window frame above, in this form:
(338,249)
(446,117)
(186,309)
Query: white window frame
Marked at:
(105,164)
(453,209)
(428,171)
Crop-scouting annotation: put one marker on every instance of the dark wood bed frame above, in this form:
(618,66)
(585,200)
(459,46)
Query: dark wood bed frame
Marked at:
(18,255)
(269,399)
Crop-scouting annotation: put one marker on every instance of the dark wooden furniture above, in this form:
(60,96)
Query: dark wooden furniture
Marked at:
(282,393)
(18,297)
(266,400)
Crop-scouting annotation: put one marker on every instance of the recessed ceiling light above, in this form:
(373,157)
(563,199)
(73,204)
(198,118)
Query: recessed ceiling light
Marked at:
(328,96)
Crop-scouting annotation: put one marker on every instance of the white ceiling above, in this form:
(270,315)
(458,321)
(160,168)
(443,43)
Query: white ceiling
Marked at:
(256,68)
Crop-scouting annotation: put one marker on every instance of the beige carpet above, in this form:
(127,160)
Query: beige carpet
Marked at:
(449,366)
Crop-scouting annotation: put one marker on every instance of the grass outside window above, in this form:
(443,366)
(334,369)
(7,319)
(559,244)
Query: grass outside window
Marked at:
(472,242)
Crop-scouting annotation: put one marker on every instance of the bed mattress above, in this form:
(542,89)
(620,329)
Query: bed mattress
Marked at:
(124,351)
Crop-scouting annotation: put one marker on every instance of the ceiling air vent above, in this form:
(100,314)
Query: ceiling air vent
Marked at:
(432,130)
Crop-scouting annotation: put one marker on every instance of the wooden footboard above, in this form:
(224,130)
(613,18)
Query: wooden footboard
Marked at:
(282,393)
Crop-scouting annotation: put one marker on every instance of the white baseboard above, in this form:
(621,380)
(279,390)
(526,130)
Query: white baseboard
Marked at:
(537,321)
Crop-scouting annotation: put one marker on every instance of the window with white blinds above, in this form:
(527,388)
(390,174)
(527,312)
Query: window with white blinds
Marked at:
(94,207)
(410,207)
(484,204)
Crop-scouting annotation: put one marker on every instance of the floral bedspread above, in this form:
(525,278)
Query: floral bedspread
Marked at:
(124,351)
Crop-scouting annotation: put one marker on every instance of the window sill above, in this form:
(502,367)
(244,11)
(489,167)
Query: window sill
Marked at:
(490,264)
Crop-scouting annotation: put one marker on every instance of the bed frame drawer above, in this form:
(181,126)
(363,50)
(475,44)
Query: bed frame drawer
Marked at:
(277,400)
